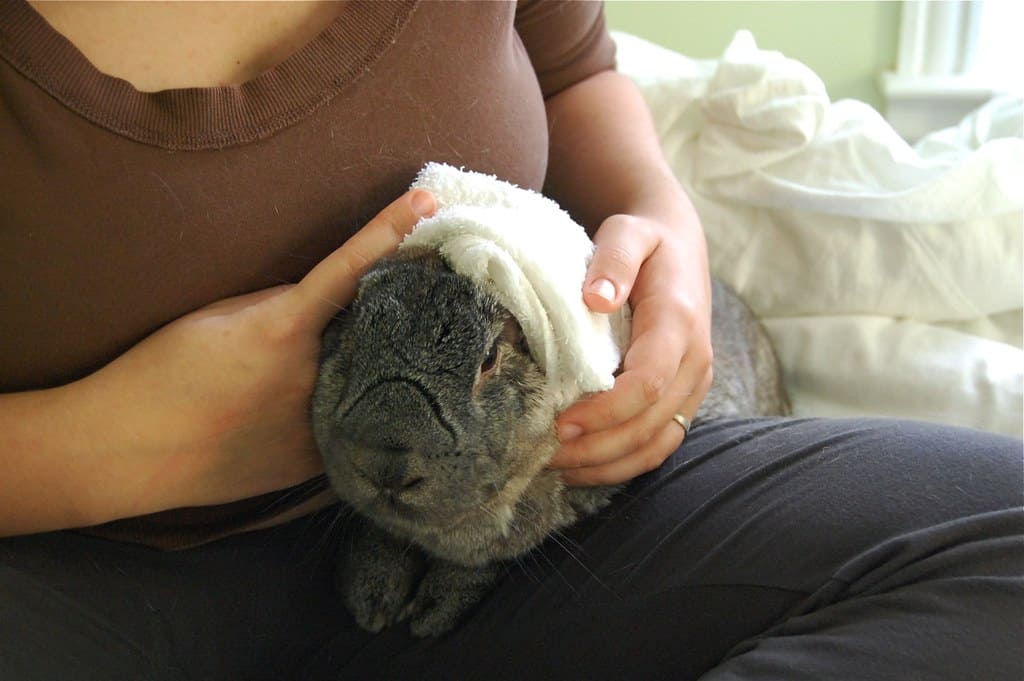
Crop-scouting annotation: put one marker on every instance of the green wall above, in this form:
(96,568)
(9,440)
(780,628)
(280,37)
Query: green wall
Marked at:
(848,44)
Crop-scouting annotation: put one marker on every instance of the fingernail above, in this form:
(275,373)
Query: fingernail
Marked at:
(569,431)
(603,288)
(423,203)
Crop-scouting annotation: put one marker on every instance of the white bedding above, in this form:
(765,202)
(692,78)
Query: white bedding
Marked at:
(889,277)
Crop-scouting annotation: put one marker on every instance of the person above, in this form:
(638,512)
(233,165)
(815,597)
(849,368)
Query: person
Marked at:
(191,191)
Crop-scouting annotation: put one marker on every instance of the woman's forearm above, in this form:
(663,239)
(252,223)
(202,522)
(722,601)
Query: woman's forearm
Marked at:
(48,462)
(209,409)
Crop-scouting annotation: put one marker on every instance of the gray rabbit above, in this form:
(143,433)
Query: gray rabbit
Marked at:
(435,427)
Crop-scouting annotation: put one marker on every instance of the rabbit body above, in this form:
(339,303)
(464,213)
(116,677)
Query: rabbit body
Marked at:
(436,428)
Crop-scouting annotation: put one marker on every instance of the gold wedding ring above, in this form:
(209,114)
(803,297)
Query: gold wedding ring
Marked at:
(683,421)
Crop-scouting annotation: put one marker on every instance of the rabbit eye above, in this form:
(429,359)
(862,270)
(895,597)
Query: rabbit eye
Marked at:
(491,359)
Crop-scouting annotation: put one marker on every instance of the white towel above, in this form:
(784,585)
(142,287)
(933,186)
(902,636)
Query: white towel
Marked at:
(533,257)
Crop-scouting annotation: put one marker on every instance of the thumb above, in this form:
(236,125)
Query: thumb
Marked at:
(621,247)
(332,284)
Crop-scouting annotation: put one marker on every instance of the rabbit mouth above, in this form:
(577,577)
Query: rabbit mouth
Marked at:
(380,501)
(395,508)
(423,510)
(491,509)
(439,519)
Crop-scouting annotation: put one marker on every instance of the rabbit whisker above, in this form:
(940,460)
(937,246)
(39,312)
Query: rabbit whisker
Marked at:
(553,536)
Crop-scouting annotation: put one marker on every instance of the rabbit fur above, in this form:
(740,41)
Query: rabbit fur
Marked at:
(436,429)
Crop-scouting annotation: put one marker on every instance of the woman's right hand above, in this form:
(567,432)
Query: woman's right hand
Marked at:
(212,408)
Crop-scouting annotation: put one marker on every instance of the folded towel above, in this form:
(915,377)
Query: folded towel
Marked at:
(528,252)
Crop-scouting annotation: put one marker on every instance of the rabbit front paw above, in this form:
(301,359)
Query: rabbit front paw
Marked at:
(379,602)
(448,591)
(377,577)
(589,500)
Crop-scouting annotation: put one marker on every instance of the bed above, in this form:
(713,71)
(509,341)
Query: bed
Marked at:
(889,276)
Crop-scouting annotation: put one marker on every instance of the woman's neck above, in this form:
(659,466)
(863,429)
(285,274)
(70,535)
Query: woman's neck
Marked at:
(164,45)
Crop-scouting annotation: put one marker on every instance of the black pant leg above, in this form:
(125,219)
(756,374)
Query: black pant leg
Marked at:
(766,549)
(762,550)
(80,608)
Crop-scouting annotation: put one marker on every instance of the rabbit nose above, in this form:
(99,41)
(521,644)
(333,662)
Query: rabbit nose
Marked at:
(392,469)
(386,468)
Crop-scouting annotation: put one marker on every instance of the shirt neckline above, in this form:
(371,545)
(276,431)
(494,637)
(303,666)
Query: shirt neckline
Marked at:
(212,117)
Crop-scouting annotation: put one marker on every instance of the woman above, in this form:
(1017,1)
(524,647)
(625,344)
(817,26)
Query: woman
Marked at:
(161,332)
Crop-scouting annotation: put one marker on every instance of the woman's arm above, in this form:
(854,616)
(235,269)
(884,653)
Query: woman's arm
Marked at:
(212,408)
(607,169)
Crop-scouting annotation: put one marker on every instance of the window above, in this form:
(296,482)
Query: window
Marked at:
(954,55)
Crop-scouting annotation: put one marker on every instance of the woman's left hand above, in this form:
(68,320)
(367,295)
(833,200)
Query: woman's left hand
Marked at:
(661,269)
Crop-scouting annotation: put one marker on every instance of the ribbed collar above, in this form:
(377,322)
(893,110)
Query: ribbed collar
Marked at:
(203,118)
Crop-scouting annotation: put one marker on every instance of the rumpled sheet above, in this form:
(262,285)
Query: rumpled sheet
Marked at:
(889,276)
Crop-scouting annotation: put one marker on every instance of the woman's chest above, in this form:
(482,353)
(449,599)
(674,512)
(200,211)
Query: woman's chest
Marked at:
(112,237)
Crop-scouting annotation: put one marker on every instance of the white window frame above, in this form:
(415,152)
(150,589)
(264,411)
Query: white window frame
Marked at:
(947,53)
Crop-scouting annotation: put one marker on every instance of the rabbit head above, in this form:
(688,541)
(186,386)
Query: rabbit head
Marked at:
(429,411)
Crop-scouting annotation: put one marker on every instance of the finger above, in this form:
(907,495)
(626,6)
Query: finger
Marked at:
(653,454)
(650,365)
(663,443)
(332,283)
(634,393)
(236,303)
(606,446)
(622,244)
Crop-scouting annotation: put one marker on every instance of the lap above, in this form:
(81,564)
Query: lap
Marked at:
(751,526)
(753,538)
(76,606)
